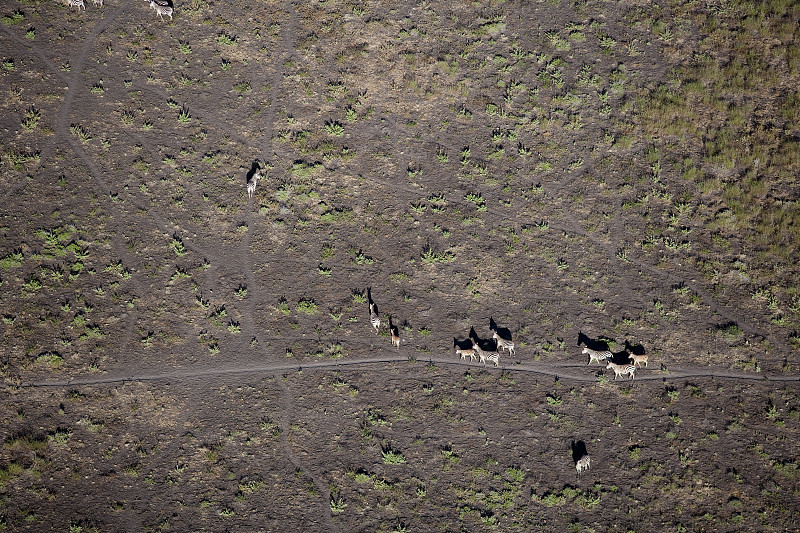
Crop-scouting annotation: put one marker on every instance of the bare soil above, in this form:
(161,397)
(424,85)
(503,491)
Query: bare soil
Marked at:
(177,356)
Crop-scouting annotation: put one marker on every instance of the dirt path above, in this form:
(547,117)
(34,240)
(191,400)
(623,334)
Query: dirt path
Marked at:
(248,259)
(302,466)
(574,372)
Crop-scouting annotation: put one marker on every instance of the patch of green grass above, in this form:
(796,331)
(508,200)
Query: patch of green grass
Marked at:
(359,298)
(177,246)
(225,39)
(11,260)
(341,214)
(730,332)
(183,116)
(304,169)
(307,306)
(430,257)
(391,457)
(31,285)
(476,199)
(31,119)
(337,505)
(362,259)
(14,18)
(51,359)
(334,128)
(60,437)
(283,307)
(81,133)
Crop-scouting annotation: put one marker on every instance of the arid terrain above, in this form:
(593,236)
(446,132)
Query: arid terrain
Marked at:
(178,355)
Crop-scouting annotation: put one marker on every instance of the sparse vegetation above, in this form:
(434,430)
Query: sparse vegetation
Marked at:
(626,172)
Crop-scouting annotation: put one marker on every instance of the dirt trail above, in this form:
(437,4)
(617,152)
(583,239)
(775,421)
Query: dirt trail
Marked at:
(572,372)
(300,466)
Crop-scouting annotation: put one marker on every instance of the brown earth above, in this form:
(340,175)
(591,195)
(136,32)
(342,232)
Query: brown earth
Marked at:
(180,357)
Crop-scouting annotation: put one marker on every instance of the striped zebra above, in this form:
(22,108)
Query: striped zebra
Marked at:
(597,355)
(622,370)
(162,8)
(494,357)
(503,344)
(583,464)
(374,319)
(252,182)
(76,3)
(483,356)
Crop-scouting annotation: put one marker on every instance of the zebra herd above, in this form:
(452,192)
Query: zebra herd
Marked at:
(162,7)
(475,352)
(605,356)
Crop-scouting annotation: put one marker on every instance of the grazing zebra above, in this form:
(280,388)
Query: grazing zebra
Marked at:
(98,2)
(395,337)
(162,8)
(252,182)
(637,360)
(374,319)
(595,355)
(76,3)
(503,344)
(583,464)
(466,352)
(621,370)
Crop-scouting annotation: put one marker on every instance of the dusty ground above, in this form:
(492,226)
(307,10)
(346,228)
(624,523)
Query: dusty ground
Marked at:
(178,356)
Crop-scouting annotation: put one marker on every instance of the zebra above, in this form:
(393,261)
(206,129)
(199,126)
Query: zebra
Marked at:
(583,464)
(483,356)
(466,352)
(98,2)
(637,360)
(76,3)
(374,319)
(595,355)
(162,8)
(621,370)
(494,357)
(503,343)
(252,182)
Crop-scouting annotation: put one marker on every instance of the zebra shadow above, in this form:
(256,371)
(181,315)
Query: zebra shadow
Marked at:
(255,167)
(486,345)
(462,344)
(503,332)
(393,327)
(635,349)
(578,450)
(600,344)
(620,358)
(370,302)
